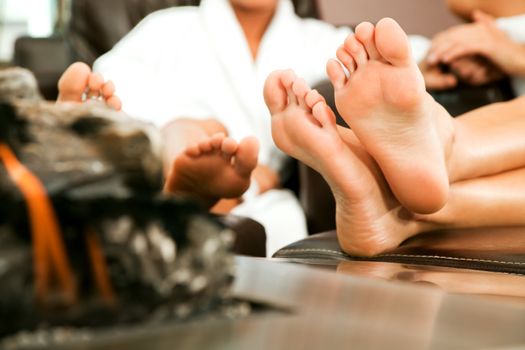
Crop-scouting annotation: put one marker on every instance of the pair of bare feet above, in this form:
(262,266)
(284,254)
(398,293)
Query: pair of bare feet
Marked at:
(393,161)
(212,168)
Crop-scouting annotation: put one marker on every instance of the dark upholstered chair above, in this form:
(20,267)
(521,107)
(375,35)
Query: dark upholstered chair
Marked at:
(94,27)
(47,58)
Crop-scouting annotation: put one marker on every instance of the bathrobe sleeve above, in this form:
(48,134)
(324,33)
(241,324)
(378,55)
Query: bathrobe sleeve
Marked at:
(515,28)
(137,64)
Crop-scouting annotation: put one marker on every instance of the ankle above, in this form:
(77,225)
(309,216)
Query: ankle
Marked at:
(374,245)
(455,155)
(446,128)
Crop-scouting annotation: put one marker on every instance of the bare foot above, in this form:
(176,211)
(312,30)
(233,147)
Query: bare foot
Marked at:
(385,103)
(79,83)
(216,167)
(369,219)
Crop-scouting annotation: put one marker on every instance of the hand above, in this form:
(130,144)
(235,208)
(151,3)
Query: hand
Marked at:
(435,78)
(476,70)
(481,38)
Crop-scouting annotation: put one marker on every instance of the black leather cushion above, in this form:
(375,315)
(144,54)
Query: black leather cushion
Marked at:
(489,249)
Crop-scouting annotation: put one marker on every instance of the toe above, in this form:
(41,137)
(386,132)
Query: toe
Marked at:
(313,97)
(73,82)
(95,83)
(229,146)
(364,32)
(216,140)
(392,42)
(108,89)
(246,156)
(356,50)
(275,94)
(336,74)
(346,59)
(300,89)
(287,79)
(324,115)
(193,150)
(114,102)
(205,145)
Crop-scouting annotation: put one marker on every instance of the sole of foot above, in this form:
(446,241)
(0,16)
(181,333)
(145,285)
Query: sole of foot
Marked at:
(383,99)
(214,168)
(369,219)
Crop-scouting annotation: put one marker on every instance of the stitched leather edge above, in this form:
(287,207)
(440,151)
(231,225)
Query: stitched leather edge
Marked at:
(312,250)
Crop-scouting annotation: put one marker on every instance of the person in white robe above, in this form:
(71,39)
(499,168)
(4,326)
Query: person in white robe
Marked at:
(197,63)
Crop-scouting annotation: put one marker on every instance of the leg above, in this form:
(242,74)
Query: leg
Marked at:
(503,8)
(497,200)
(211,167)
(369,218)
(488,140)
(384,101)
(78,82)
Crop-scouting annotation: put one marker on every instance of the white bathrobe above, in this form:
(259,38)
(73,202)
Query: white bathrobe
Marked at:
(515,28)
(195,62)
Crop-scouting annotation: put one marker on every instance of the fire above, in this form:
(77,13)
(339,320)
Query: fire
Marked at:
(50,261)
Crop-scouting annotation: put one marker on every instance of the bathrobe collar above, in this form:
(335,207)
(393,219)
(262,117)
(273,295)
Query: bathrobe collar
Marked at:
(233,52)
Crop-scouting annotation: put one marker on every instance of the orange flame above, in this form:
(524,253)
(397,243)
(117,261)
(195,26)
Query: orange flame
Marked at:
(48,246)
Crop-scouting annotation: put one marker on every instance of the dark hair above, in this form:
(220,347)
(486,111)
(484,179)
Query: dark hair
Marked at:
(306,8)
(303,8)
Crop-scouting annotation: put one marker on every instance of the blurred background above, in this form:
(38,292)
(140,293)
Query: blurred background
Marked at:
(424,17)
(42,18)
(35,18)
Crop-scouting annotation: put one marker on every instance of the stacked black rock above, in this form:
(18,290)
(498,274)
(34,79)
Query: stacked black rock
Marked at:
(102,172)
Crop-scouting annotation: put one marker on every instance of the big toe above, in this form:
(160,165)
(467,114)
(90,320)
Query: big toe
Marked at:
(275,94)
(392,42)
(247,156)
(278,92)
(73,82)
